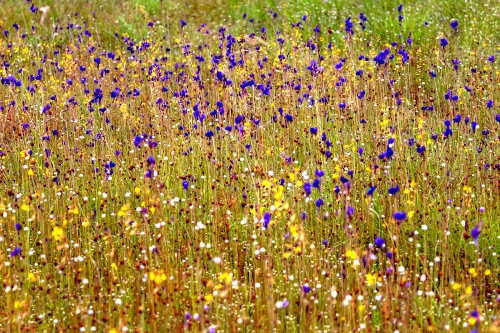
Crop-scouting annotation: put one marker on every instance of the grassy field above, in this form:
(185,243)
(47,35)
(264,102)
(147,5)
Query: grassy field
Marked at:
(249,166)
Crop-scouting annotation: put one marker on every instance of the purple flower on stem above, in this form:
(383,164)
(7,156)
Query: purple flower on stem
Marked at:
(15,252)
(267,219)
(306,289)
(379,242)
(350,211)
(400,216)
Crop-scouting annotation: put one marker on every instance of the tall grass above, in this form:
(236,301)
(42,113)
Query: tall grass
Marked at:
(173,166)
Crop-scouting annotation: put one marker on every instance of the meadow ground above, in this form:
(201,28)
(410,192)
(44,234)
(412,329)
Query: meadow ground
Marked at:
(249,166)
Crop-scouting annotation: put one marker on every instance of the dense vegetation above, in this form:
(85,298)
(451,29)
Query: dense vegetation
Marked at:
(205,166)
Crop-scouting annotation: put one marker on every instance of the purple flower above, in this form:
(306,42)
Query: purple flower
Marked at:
(454,25)
(185,184)
(307,189)
(306,289)
(319,203)
(379,242)
(473,126)
(15,252)
(349,26)
(489,105)
(476,231)
(19,227)
(400,216)
(393,190)
(267,219)
(371,190)
(444,42)
(350,211)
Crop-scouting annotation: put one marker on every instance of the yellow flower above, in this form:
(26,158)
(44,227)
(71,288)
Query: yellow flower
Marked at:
(158,277)
(74,211)
(18,304)
(226,277)
(370,279)
(350,254)
(57,233)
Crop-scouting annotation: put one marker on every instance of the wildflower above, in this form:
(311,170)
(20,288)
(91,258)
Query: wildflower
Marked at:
(350,254)
(489,105)
(57,233)
(307,189)
(394,190)
(474,126)
(379,242)
(371,190)
(267,219)
(15,252)
(350,211)
(185,184)
(306,288)
(319,203)
(454,25)
(349,26)
(370,279)
(475,233)
(444,42)
(400,216)
(19,227)
(282,304)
